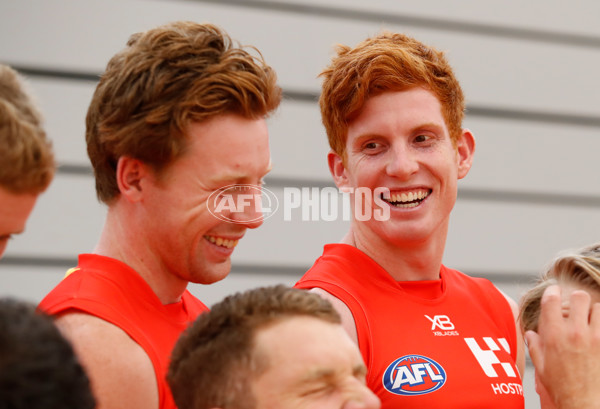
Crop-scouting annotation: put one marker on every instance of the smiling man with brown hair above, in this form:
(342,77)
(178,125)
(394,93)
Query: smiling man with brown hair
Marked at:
(177,115)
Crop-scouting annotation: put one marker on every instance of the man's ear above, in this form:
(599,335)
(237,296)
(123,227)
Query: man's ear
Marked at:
(465,148)
(130,173)
(337,169)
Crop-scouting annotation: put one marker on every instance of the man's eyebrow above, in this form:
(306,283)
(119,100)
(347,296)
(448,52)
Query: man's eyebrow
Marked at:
(427,125)
(359,370)
(318,375)
(328,374)
(235,177)
(420,126)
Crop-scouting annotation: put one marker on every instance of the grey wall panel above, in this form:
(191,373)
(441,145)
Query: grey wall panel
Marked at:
(27,282)
(514,238)
(532,399)
(530,157)
(64,104)
(494,70)
(536,15)
(66,221)
(298,141)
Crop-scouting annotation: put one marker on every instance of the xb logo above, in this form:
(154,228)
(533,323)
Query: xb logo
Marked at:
(441,322)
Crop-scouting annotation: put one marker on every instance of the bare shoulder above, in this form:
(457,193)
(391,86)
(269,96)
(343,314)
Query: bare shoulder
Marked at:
(342,309)
(514,306)
(121,373)
(512,303)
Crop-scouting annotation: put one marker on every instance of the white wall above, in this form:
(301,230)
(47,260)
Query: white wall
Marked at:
(529,71)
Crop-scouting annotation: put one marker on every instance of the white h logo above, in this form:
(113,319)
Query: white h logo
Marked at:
(487,358)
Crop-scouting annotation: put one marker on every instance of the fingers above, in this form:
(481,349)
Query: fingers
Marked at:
(549,324)
(568,347)
(595,326)
(550,320)
(579,310)
(595,317)
(534,344)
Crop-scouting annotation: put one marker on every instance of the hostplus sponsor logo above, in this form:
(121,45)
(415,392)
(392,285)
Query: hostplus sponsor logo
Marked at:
(413,375)
(486,352)
(441,326)
(244,203)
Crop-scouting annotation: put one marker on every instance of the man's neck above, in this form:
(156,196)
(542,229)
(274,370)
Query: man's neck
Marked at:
(121,240)
(416,262)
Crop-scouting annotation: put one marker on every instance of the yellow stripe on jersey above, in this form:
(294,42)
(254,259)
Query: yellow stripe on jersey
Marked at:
(70,271)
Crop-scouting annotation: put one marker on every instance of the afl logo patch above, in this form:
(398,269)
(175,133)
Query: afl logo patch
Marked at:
(413,375)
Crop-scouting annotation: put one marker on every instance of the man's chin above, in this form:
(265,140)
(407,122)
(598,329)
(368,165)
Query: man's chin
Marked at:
(213,273)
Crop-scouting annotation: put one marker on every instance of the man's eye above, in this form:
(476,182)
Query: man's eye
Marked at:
(371,146)
(321,390)
(422,138)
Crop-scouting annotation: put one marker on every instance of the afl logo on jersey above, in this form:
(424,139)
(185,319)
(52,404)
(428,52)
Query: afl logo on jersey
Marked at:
(413,375)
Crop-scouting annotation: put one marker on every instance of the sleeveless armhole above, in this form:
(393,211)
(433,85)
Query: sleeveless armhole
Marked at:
(358,314)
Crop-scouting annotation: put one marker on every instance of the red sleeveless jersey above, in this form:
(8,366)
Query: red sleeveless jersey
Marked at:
(111,290)
(457,350)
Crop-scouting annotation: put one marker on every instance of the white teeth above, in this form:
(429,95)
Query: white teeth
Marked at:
(219,241)
(406,205)
(403,199)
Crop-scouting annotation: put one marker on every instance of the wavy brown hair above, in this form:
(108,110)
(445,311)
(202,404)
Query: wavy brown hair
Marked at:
(215,359)
(26,157)
(387,62)
(165,78)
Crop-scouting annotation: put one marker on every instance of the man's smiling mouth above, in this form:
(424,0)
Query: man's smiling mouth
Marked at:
(406,199)
(219,241)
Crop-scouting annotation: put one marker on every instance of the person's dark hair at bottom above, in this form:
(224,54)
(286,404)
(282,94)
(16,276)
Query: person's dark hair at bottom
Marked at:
(38,367)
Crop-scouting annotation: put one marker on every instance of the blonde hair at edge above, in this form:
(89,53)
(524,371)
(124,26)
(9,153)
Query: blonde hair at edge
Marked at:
(580,266)
(25,151)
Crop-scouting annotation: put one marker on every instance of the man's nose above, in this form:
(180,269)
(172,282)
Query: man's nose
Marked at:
(363,398)
(249,211)
(402,162)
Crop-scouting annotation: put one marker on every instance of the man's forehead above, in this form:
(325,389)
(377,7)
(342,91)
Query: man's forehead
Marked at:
(307,337)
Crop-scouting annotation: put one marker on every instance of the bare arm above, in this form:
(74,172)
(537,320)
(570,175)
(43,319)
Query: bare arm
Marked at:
(520,342)
(342,309)
(120,371)
(566,351)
